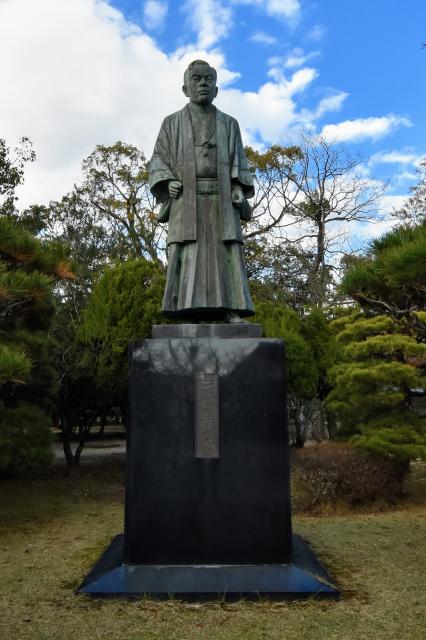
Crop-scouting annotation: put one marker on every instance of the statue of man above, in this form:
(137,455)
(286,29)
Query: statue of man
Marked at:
(199,172)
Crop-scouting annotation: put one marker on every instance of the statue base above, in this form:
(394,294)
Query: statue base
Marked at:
(208,490)
(231,330)
(302,578)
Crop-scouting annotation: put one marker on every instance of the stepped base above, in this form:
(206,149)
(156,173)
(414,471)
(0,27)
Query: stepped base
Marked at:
(302,578)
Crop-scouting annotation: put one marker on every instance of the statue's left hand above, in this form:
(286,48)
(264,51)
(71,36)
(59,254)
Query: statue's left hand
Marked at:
(237,195)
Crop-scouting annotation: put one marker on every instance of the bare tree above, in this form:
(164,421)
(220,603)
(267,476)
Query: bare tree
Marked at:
(308,195)
(413,211)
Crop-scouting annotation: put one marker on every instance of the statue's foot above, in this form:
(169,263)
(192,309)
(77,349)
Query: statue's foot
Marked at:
(234,318)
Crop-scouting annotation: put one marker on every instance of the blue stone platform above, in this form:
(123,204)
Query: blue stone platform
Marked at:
(303,578)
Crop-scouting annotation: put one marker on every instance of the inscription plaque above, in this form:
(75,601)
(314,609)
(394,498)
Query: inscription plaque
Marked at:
(207,415)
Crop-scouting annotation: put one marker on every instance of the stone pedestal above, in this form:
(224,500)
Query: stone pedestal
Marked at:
(208,475)
(207,495)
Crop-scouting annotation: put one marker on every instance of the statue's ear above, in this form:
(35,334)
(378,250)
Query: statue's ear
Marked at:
(216,92)
(185,90)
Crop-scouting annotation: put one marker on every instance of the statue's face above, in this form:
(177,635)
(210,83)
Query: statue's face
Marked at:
(201,87)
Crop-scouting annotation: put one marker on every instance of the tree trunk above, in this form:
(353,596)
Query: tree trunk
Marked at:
(320,276)
(299,424)
(73,459)
(316,278)
(103,418)
(83,432)
(67,431)
(330,422)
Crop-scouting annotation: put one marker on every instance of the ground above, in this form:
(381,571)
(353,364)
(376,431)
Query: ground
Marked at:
(54,529)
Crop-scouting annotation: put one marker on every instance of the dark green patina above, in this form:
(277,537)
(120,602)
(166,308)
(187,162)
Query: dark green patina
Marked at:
(199,172)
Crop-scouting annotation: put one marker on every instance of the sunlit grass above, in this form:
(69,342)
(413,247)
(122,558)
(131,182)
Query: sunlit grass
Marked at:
(53,530)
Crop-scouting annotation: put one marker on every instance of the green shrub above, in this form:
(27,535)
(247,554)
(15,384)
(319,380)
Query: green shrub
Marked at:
(330,473)
(125,303)
(25,439)
(380,365)
(279,321)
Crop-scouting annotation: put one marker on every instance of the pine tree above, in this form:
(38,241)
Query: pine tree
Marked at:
(28,271)
(372,385)
(392,277)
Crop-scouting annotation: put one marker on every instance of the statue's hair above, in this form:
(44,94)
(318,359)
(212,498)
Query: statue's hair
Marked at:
(192,65)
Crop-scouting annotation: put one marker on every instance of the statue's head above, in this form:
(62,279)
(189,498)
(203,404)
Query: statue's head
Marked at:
(199,82)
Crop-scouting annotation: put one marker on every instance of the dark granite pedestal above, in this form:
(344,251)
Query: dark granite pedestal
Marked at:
(207,495)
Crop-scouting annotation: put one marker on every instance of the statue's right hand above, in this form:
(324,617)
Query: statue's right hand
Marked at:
(175,188)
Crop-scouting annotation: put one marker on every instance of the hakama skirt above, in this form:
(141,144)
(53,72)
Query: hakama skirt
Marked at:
(207,278)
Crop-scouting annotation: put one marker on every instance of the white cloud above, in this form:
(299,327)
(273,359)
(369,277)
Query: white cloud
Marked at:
(406,176)
(80,74)
(394,157)
(332,102)
(364,128)
(363,170)
(271,111)
(297,58)
(263,38)
(392,203)
(210,19)
(155,13)
(288,9)
(366,232)
(304,76)
(316,33)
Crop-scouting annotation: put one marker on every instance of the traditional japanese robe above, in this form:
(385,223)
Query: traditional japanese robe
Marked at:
(206,273)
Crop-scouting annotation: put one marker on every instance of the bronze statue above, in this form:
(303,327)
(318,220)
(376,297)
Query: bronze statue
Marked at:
(199,172)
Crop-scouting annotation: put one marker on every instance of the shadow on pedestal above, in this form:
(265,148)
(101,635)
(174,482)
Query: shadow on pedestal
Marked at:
(303,578)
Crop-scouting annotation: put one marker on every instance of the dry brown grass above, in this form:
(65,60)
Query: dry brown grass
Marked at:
(53,530)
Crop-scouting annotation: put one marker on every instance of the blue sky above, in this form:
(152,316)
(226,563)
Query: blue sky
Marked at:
(93,71)
(370,49)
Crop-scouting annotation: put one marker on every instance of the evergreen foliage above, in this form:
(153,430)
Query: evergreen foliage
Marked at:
(29,269)
(25,439)
(310,349)
(315,329)
(91,355)
(392,277)
(125,303)
(15,365)
(373,383)
(281,322)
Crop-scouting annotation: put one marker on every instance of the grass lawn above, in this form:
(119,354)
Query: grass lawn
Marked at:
(53,530)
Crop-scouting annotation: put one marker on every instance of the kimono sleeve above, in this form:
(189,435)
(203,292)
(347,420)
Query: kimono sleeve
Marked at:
(160,171)
(240,171)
